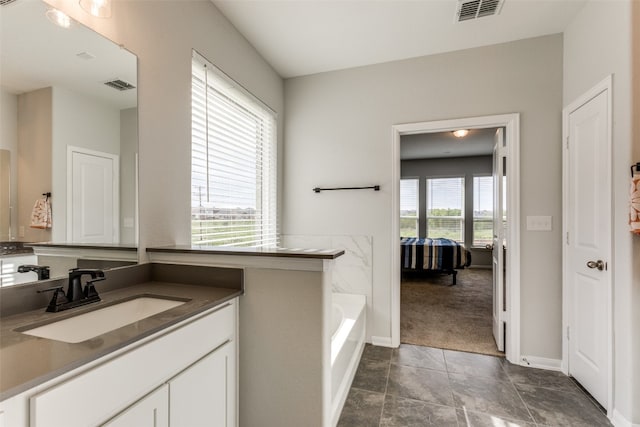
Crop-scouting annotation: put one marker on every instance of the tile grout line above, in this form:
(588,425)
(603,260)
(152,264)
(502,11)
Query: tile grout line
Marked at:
(386,385)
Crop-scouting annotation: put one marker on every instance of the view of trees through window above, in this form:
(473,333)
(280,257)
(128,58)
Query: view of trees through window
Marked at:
(445,209)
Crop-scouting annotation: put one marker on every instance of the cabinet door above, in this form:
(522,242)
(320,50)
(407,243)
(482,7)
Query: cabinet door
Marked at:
(205,393)
(150,411)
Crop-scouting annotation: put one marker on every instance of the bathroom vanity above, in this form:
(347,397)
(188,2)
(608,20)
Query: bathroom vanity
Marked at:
(170,368)
(285,335)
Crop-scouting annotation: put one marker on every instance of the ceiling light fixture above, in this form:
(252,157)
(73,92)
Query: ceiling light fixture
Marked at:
(58,18)
(460,133)
(97,8)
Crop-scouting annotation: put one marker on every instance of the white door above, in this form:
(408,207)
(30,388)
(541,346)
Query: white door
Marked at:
(498,239)
(588,242)
(93,197)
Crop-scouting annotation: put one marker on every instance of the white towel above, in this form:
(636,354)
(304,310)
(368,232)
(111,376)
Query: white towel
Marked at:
(634,204)
(41,214)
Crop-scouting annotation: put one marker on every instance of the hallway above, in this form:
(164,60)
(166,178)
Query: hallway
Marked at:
(425,386)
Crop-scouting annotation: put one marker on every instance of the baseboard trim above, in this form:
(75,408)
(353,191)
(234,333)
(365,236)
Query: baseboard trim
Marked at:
(618,420)
(541,363)
(381,341)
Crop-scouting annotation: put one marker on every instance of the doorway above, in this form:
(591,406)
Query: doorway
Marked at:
(508,317)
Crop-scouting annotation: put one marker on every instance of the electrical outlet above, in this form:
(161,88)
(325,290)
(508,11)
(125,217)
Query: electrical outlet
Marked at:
(21,231)
(539,223)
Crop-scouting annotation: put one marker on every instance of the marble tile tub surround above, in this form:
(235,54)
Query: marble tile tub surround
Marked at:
(424,386)
(352,271)
(22,298)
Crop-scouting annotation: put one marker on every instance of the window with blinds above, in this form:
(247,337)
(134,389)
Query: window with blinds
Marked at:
(233,163)
(445,208)
(482,210)
(408,208)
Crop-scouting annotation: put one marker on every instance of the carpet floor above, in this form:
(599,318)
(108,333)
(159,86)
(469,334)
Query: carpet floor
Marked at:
(459,317)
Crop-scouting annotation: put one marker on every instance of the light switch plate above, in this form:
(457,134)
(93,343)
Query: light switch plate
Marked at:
(539,223)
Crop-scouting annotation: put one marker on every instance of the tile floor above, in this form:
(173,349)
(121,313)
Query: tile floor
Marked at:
(424,386)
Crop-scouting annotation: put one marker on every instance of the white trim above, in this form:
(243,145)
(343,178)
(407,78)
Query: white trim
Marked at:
(511,122)
(605,85)
(618,420)
(541,363)
(116,189)
(383,341)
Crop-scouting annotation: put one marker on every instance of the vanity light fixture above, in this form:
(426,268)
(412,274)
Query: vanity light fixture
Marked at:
(97,8)
(460,133)
(58,18)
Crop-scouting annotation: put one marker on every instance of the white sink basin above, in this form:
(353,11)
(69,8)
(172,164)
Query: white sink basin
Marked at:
(89,325)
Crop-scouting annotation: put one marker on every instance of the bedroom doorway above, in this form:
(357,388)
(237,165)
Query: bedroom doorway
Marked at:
(438,214)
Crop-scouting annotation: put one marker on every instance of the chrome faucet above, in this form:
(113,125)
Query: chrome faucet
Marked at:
(75,295)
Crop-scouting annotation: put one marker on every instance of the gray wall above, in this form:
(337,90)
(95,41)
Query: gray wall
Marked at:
(339,133)
(460,166)
(128,175)
(589,56)
(162,34)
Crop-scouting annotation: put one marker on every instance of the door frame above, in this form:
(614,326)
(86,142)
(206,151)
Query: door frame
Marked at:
(605,85)
(511,123)
(116,188)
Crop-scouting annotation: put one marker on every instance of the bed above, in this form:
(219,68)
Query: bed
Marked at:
(438,255)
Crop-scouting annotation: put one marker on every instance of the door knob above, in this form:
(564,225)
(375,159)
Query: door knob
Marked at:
(490,247)
(596,264)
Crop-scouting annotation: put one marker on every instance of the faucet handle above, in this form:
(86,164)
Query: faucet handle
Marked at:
(90,290)
(57,299)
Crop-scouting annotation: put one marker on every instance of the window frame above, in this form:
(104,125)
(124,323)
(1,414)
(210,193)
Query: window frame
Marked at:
(483,219)
(261,216)
(417,217)
(460,218)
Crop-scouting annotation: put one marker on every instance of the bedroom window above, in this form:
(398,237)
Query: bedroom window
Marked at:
(445,208)
(233,162)
(408,208)
(482,210)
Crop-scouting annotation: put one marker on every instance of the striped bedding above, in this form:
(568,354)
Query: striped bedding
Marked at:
(433,254)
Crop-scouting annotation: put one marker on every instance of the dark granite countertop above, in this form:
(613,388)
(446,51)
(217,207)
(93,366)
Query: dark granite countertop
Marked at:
(245,251)
(27,361)
(106,246)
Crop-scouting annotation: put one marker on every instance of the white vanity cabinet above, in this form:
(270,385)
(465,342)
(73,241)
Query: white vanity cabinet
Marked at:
(183,376)
(203,394)
(150,411)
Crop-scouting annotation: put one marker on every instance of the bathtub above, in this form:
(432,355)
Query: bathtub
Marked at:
(347,343)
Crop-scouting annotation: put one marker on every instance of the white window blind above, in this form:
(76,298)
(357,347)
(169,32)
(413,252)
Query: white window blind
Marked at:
(482,210)
(233,163)
(408,208)
(445,208)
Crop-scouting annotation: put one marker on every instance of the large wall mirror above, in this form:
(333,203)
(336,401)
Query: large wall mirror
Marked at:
(68,128)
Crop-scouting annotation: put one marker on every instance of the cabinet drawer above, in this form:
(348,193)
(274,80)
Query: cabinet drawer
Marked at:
(99,393)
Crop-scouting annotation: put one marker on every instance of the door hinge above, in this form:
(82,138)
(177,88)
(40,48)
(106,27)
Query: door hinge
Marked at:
(567,142)
(567,237)
(568,333)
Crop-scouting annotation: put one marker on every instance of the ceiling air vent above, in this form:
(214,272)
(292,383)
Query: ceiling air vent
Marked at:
(6,2)
(473,9)
(120,84)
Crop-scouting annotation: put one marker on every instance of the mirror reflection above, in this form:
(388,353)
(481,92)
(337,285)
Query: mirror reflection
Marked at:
(68,138)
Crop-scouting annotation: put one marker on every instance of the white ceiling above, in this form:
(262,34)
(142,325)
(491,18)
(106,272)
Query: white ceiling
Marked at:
(300,37)
(438,145)
(36,54)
